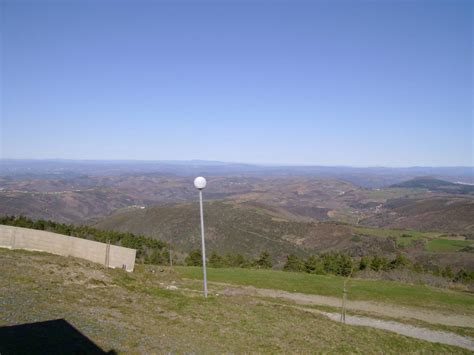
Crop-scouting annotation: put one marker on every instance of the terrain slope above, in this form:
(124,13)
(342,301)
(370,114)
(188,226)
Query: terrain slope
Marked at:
(150,311)
(249,230)
(445,214)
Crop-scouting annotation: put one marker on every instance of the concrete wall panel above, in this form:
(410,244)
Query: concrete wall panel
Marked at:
(30,239)
(119,254)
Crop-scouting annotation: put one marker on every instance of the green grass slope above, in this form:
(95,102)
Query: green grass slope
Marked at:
(329,285)
(447,245)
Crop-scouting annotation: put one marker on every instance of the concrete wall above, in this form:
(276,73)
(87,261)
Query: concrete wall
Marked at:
(109,255)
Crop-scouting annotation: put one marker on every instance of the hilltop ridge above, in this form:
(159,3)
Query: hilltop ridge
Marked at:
(438,185)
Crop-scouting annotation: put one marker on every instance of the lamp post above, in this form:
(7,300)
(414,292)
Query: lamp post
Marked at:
(200,184)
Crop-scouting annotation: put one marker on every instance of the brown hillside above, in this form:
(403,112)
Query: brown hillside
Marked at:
(436,214)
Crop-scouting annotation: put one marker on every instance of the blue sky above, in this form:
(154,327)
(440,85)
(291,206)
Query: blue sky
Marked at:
(356,83)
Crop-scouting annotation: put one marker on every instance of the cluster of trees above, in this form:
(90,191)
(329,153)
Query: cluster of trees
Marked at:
(263,261)
(461,275)
(148,250)
(344,265)
(327,263)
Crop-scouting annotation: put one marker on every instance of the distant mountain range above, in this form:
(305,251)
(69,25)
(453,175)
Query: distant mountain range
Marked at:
(300,210)
(365,177)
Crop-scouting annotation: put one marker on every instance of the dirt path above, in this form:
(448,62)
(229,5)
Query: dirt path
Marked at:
(392,311)
(433,336)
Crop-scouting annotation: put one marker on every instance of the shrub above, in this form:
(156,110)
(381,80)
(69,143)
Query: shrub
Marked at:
(264,261)
(464,276)
(194,258)
(448,272)
(336,263)
(216,260)
(399,262)
(356,238)
(314,265)
(364,263)
(237,260)
(156,257)
(379,263)
(293,263)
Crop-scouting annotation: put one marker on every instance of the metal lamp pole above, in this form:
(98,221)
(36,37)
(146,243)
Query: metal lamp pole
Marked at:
(200,183)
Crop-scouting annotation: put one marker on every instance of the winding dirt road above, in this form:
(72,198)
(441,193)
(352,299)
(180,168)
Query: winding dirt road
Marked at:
(457,320)
(376,309)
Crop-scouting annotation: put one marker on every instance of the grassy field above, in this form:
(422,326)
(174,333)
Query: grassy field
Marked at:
(435,241)
(135,313)
(404,237)
(446,245)
(392,193)
(396,233)
(329,285)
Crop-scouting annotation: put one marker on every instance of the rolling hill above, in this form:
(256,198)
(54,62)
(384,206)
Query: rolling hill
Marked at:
(83,198)
(444,214)
(437,185)
(236,228)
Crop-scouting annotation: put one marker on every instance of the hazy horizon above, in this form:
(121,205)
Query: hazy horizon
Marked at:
(204,161)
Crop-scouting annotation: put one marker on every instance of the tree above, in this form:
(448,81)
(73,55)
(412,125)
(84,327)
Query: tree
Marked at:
(216,260)
(194,258)
(236,260)
(293,263)
(399,262)
(264,261)
(337,263)
(379,263)
(448,272)
(364,263)
(314,265)
(155,258)
(464,276)
(417,267)
(346,265)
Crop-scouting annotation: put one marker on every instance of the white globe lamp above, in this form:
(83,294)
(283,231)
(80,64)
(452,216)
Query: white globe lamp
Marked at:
(200,183)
